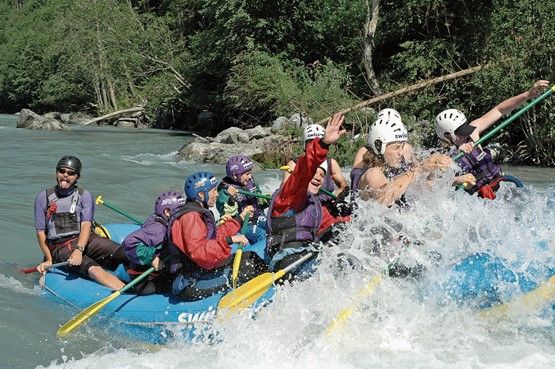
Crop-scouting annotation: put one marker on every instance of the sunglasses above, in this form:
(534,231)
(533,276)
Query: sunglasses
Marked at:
(68,171)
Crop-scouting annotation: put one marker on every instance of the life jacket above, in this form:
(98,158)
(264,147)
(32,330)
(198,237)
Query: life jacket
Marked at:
(293,230)
(480,164)
(63,215)
(327,183)
(180,263)
(243,200)
(148,238)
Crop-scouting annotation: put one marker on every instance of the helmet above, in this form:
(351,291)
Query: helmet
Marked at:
(390,114)
(312,131)
(238,164)
(168,200)
(199,182)
(447,122)
(71,162)
(324,166)
(386,131)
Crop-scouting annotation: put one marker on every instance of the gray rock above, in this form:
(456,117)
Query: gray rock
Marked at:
(31,120)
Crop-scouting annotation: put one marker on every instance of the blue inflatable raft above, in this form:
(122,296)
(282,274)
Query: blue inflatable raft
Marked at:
(152,318)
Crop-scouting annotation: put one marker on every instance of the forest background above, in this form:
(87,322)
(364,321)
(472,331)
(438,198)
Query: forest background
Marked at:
(248,62)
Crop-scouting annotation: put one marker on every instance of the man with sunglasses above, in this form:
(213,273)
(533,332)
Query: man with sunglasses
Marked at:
(63,220)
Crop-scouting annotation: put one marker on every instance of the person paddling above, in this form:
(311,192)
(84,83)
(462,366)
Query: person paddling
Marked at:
(482,174)
(201,251)
(63,220)
(230,201)
(147,246)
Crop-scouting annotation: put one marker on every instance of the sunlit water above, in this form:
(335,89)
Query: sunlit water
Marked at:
(403,323)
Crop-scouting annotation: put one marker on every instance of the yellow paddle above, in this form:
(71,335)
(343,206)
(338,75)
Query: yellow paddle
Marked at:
(346,313)
(530,301)
(245,295)
(97,306)
(239,254)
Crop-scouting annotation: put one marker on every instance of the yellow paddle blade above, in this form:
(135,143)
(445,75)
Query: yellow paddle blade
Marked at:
(286,168)
(85,315)
(533,300)
(346,313)
(235,270)
(247,294)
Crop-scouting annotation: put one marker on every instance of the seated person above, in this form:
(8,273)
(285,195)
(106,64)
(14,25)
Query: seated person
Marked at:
(479,172)
(147,246)
(334,176)
(230,201)
(296,217)
(63,220)
(201,251)
(389,174)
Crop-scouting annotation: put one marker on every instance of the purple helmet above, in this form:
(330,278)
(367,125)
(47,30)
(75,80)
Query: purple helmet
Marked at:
(168,200)
(238,164)
(199,182)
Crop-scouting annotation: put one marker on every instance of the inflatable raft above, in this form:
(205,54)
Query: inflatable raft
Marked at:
(152,318)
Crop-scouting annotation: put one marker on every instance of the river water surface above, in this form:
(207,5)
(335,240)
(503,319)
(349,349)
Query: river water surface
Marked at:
(394,327)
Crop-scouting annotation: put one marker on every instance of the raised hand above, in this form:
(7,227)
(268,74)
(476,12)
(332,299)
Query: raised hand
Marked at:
(334,130)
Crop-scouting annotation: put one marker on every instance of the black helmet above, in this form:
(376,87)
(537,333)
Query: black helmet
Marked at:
(69,161)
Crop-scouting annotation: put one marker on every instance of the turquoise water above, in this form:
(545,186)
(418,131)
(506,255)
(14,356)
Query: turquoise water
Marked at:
(392,329)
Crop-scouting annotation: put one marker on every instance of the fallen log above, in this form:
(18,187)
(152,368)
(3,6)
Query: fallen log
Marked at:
(115,114)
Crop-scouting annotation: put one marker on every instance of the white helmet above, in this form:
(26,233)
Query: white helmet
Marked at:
(386,131)
(324,166)
(447,122)
(312,131)
(390,114)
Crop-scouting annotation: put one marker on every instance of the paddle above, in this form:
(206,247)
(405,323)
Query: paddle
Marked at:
(93,309)
(251,291)
(323,190)
(529,301)
(100,201)
(247,193)
(33,270)
(238,254)
(346,313)
(505,123)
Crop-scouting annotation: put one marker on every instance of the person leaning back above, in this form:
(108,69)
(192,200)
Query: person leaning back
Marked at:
(63,221)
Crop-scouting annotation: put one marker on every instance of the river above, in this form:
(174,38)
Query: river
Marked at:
(394,327)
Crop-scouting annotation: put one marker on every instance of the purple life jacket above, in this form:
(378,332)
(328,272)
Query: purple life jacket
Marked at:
(243,200)
(152,233)
(180,263)
(480,164)
(293,230)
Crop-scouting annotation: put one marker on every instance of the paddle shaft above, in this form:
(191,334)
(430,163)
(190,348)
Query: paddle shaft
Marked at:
(247,193)
(248,293)
(100,201)
(33,270)
(509,120)
(239,254)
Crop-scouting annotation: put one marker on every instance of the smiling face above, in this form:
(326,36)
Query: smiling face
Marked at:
(394,153)
(65,177)
(244,178)
(316,182)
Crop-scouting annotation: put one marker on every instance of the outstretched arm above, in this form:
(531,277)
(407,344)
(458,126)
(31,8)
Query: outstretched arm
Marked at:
(507,106)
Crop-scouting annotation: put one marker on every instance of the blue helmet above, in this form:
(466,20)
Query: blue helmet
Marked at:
(199,182)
